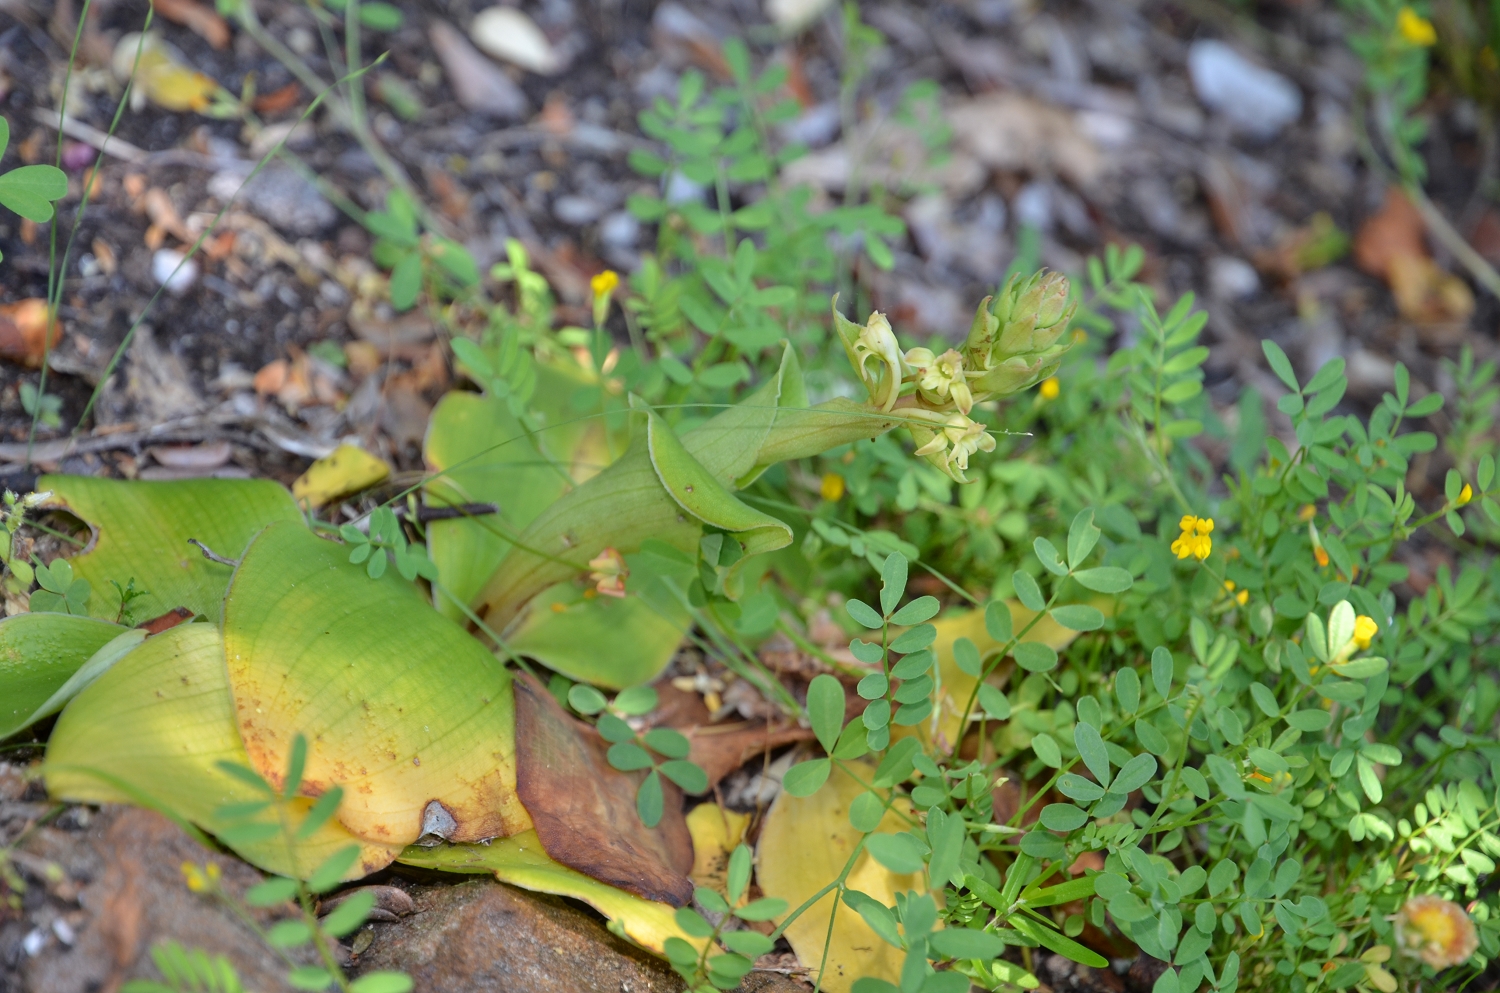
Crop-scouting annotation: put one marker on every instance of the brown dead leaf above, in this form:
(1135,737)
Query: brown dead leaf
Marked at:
(105,256)
(24,332)
(1012,132)
(722,748)
(1396,230)
(278,101)
(163,214)
(201,20)
(272,377)
(364,358)
(452,199)
(1391,245)
(584,809)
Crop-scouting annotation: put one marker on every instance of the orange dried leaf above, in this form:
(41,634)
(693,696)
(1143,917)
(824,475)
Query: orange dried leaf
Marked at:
(24,330)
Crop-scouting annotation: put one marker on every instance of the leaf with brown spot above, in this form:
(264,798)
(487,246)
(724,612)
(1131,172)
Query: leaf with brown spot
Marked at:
(400,705)
(584,810)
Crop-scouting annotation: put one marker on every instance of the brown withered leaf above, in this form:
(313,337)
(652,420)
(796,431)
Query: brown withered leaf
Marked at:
(584,809)
(197,18)
(722,748)
(1391,246)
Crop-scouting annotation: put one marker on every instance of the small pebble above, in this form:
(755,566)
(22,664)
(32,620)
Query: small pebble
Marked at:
(620,229)
(1230,278)
(508,34)
(576,210)
(680,189)
(34,942)
(1033,206)
(165,270)
(1256,100)
(64,931)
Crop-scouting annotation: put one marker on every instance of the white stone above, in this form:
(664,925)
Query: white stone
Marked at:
(1230,278)
(793,15)
(1256,100)
(508,34)
(165,270)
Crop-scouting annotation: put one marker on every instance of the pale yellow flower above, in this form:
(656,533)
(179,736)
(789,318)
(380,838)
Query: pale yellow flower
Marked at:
(965,436)
(608,571)
(1437,931)
(1050,388)
(877,341)
(941,377)
(832,487)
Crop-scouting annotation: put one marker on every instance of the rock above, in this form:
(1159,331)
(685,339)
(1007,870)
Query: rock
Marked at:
(1230,278)
(794,15)
(120,892)
(1257,101)
(280,196)
(508,34)
(478,84)
(172,269)
(577,210)
(620,229)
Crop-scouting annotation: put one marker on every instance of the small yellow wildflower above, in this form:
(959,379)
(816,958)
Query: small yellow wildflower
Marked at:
(603,285)
(1437,931)
(1415,28)
(1194,540)
(607,570)
(1050,388)
(201,879)
(1228,586)
(1321,555)
(1365,629)
(1242,597)
(1307,512)
(832,487)
(1464,495)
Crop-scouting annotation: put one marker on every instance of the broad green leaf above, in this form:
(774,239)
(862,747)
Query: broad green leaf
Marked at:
(153,730)
(520,861)
(30,191)
(97,664)
(141,532)
(408,709)
(38,654)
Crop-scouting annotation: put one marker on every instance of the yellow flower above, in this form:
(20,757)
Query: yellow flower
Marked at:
(876,340)
(1415,28)
(1194,540)
(201,879)
(1464,495)
(1229,586)
(1365,629)
(1321,555)
(965,435)
(832,487)
(603,285)
(1050,388)
(607,570)
(1242,597)
(1437,931)
(1307,513)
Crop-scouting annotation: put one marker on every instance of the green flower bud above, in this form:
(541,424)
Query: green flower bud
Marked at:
(1018,342)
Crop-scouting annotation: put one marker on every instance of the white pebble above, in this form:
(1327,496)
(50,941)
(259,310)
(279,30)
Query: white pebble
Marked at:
(1230,278)
(34,942)
(64,931)
(508,34)
(1256,100)
(165,269)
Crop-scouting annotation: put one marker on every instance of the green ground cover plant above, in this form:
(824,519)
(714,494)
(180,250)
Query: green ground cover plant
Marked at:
(1126,675)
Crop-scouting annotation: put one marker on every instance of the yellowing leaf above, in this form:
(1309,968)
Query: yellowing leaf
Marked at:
(141,532)
(401,706)
(152,729)
(715,832)
(803,847)
(161,74)
(958,686)
(521,861)
(349,469)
